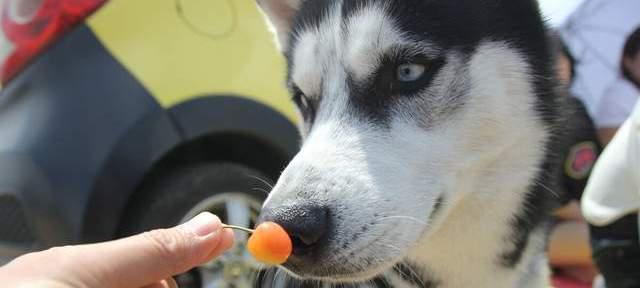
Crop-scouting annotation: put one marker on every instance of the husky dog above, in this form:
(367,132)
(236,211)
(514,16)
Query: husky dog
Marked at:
(426,126)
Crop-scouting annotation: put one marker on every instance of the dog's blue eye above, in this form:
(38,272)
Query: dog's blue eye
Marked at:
(410,72)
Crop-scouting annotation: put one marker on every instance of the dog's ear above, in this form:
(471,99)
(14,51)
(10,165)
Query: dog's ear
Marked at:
(279,15)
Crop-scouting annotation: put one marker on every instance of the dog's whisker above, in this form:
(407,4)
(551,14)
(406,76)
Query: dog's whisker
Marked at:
(276,278)
(262,180)
(408,272)
(547,188)
(260,190)
(393,247)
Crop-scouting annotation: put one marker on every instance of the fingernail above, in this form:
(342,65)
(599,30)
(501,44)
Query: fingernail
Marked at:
(203,225)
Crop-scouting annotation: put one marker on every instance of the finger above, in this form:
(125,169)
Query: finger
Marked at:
(225,244)
(160,284)
(143,259)
(171,283)
(167,283)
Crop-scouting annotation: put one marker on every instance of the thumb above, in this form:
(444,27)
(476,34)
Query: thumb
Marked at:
(152,256)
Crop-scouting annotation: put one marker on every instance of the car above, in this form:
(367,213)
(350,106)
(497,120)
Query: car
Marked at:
(120,116)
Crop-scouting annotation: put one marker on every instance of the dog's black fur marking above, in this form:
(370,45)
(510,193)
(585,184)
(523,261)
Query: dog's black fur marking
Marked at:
(412,276)
(436,207)
(381,282)
(306,105)
(373,96)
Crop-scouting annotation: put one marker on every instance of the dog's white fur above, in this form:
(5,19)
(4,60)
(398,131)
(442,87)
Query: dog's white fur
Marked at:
(389,180)
(491,189)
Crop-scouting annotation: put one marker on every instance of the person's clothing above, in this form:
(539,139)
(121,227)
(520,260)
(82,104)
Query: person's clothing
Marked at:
(577,154)
(581,151)
(620,230)
(616,104)
(595,34)
(610,204)
(613,189)
(616,252)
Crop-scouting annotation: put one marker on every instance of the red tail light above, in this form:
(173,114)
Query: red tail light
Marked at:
(28,26)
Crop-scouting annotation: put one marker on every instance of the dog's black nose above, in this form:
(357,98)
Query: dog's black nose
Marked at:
(306,224)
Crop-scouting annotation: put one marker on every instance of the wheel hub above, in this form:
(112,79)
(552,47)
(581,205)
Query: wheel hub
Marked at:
(236,268)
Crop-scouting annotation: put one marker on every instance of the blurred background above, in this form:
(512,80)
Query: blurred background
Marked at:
(120,116)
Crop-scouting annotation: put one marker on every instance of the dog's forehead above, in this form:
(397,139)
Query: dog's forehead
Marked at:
(448,22)
(354,43)
(355,33)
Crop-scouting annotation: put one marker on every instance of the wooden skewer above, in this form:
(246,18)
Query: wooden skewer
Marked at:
(250,231)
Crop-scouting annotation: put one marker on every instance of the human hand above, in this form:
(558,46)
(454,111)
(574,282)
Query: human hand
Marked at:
(146,260)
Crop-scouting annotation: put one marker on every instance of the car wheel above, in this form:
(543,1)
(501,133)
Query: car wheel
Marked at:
(231,191)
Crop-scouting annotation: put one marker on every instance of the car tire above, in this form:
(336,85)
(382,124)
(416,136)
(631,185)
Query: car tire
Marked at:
(232,191)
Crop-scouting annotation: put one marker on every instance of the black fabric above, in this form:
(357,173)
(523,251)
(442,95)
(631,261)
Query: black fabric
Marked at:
(580,153)
(616,252)
(625,228)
